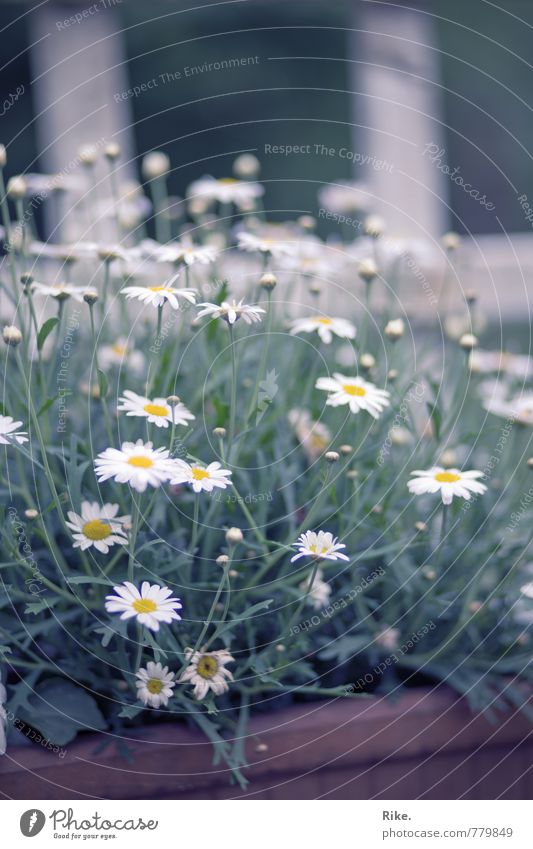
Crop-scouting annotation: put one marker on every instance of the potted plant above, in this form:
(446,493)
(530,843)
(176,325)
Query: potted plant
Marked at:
(228,493)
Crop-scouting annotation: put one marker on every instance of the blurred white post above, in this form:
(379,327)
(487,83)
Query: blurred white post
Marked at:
(397,104)
(77,67)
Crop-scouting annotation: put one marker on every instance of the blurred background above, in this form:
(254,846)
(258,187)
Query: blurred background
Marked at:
(429,104)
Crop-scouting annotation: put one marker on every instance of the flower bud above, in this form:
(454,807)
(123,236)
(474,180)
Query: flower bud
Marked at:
(307,222)
(331,456)
(420,527)
(112,151)
(374,226)
(234,536)
(87,154)
(346,449)
(246,165)
(90,296)
(30,513)
(155,164)
(268,281)
(367,361)
(367,270)
(451,241)
(173,400)
(3,156)
(220,432)
(468,341)
(394,329)
(17,187)
(222,560)
(12,335)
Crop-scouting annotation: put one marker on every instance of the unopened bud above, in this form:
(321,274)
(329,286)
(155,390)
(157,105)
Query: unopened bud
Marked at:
(220,432)
(222,560)
(345,449)
(268,281)
(367,361)
(451,241)
(234,536)
(87,154)
(331,456)
(30,513)
(395,329)
(112,151)
(367,270)
(468,341)
(420,527)
(155,164)
(16,188)
(307,222)
(374,226)
(3,156)
(246,165)
(12,335)
(90,296)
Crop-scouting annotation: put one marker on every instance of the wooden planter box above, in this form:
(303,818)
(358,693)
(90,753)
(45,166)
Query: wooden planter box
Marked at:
(425,745)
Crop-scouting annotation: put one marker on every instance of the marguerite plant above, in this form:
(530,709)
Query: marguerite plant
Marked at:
(277,543)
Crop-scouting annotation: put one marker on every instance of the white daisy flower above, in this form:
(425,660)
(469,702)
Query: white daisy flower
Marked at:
(157,411)
(202,479)
(187,253)
(519,408)
(314,437)
(268,241)
(152,605)
(358,393)
(322,545)
(120,354)
(158,295)
(242,193)
(136,463)
(318,595)
(207,671)
(8,431)
(325,327)
(98,526)
(231,312)
(59,291)
(154,684)
(448,482)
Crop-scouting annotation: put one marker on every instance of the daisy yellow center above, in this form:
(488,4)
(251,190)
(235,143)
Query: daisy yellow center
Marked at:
(155,410)
(350,389)
(323,320)
(154,686)
(228,181)
(158,288)
(315,549)
(119,349)
(447,477)
(96,529)
(199,474)
(140,462)
(144,605)
(207,666)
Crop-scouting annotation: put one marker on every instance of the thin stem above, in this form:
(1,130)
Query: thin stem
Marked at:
(233,400)
(136,512)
